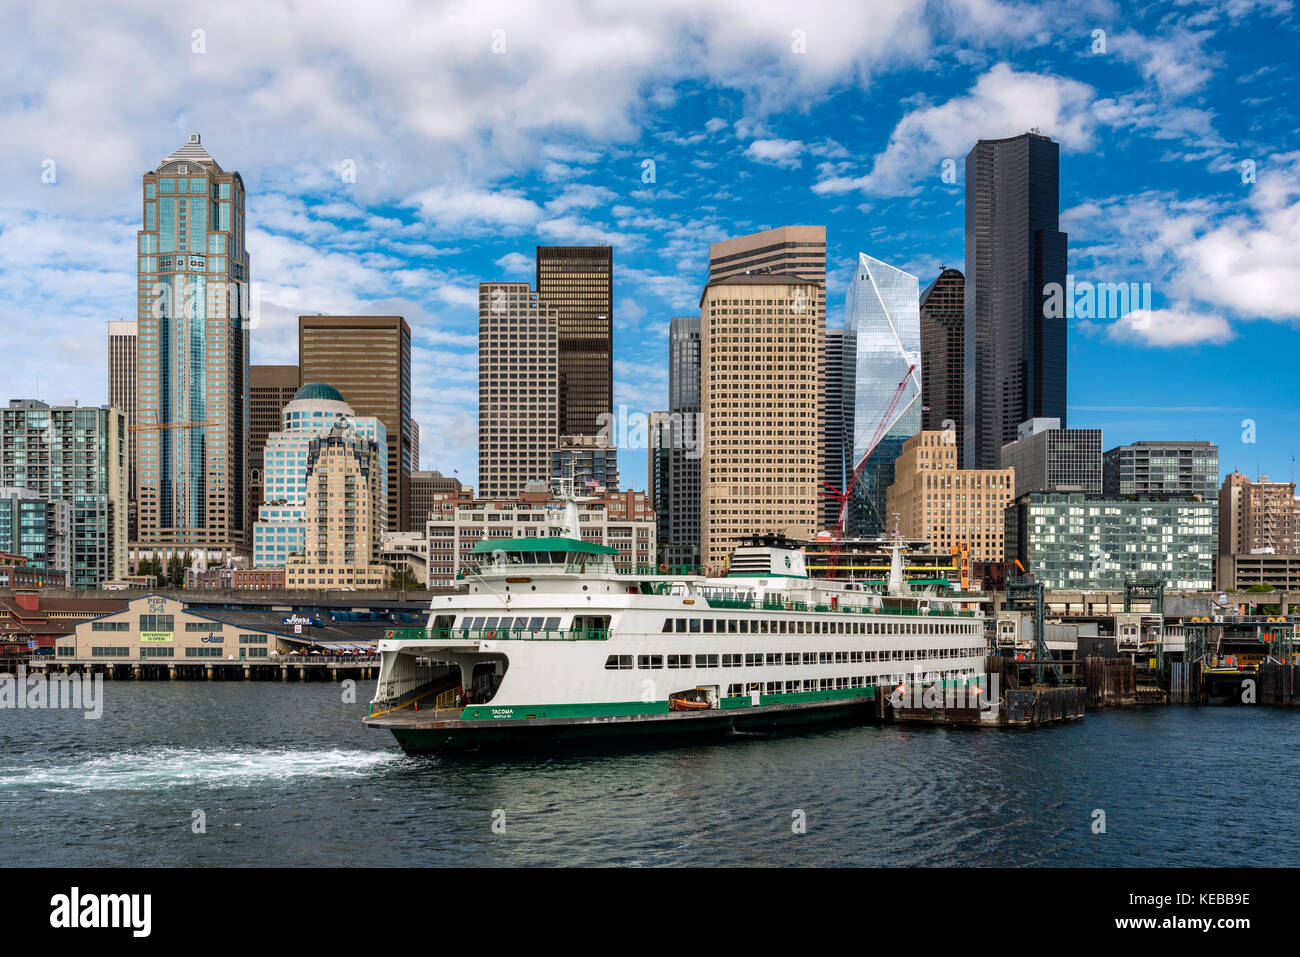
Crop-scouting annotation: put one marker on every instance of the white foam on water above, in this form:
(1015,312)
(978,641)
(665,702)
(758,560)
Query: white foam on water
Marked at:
(189,767)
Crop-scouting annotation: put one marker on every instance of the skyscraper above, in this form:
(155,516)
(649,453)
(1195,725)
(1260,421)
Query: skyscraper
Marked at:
(368,360)
(943,321)
(191,427)
(270,389)
(518,388)
(786,250)
(1014,356)
(835,449)
(679,541)
(578,283)
(76,455)
(1047,458)
(122,339)
(882,344)
(760,381)
(313,411)
(1162,469)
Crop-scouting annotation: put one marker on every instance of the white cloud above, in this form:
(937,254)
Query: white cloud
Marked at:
(466,209)
(1003,102)
(1169,327)
(777,152)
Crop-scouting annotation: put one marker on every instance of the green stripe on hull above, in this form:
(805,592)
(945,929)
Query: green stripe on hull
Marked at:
(600,709)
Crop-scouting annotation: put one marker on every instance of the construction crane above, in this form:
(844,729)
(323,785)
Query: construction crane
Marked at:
(837,536)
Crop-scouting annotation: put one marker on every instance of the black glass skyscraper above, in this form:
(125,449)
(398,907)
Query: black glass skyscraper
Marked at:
(1014,355)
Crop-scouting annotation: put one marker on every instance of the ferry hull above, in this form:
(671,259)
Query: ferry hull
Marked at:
(416,737)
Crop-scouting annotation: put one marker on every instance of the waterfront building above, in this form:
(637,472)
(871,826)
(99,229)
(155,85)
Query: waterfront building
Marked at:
(270,389)
(427,490)
(577,282)
(1069,540)
(191,445)
(234,578)
(761,353)
(156,629)
(1048,458)
(38,529)
(314,410)
(948,507)
(518,388)
(882,347)
(1015,357)
(368,360)
(79,456)
(1162,468)
(943,331)
(345,511)
(622,520)
(1257,517)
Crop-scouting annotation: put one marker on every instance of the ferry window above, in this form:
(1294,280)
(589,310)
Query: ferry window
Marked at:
(731,661)
(695,626)
(810,657)
(706,661)
(733,691)
(618,662)
(650,661)
(478,623)
(792,658)
(753,661)
(841,657)
(490,623)
(552,624)
(824,658)
(681,626)
(708,626)
(731,625)
(668,625)
(679,661)
(535,624)
(773,687)
(783,624)
(744,626)
(773,658)
(855,657)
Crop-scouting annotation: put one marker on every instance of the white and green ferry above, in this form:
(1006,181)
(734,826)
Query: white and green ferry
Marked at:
(552,642)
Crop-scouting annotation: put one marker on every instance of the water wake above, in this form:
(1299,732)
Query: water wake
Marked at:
(154,768)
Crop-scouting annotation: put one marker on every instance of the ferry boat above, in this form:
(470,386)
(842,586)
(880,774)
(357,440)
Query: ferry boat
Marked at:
(552,643)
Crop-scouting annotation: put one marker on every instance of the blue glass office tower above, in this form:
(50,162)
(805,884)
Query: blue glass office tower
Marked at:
(882,342)
(1014,355)
(191,421)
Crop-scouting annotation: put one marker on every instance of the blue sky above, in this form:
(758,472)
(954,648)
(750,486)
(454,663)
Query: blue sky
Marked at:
(477,131)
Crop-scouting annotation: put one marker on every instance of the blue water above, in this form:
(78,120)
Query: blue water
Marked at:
(287,774)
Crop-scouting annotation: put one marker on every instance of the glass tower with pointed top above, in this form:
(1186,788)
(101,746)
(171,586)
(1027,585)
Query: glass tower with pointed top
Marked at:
(191,422)
(882,348)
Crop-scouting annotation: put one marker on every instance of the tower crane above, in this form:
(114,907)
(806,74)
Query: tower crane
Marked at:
(837,535)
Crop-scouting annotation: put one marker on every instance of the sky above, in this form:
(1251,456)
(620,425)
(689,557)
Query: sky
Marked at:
(396,154)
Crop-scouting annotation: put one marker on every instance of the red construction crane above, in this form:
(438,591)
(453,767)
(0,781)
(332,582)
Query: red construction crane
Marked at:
(832,566)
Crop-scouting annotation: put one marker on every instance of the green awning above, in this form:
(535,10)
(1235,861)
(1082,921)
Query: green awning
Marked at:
(513,545)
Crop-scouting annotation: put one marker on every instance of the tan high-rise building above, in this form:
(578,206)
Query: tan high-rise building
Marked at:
(518,388)
(368,359)
(578,283)
(1255,517)
(937,502)
(345,515)
(270,389)
(191,422)
(122,338)
(786,250)
(761,355)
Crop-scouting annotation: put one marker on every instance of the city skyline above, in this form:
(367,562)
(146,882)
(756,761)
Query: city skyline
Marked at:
(341,223)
